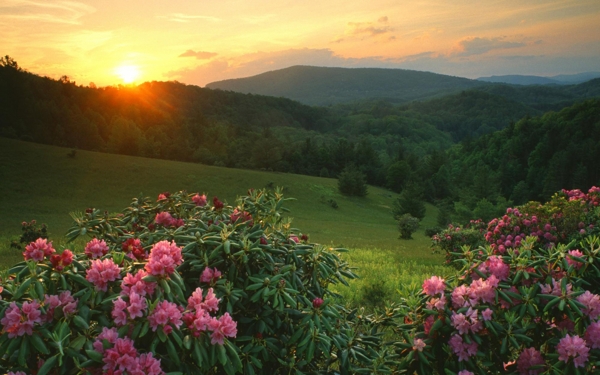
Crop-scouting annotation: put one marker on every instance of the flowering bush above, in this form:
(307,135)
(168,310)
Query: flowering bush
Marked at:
(528,302)
(177,285)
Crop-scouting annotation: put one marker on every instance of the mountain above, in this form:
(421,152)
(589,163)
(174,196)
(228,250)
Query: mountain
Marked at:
(520,80)
(562,79)
(326,86)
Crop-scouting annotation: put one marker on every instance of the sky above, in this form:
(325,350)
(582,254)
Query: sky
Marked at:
(113,42)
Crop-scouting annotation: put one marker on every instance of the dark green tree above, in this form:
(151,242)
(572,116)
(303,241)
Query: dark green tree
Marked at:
(409,202)
(407,225)
(352,181)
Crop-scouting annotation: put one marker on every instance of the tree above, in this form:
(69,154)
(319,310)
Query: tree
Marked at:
(353,182)
(409,202)
(407,225)
(397,175)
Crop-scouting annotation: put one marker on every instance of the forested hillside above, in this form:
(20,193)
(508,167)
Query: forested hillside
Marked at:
(446,150)
(325,86)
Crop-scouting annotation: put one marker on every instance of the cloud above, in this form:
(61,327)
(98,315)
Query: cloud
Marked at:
(185,18)
(478,46)
(200,55)
(61,12)
(366,29)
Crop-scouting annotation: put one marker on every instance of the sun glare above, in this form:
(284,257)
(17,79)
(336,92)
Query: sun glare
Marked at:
(128,73)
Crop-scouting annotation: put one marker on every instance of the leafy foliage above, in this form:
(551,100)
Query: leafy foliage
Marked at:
(525,303)
(407,225)
(266,276)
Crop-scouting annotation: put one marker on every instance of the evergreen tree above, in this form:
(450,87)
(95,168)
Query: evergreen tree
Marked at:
(352,181)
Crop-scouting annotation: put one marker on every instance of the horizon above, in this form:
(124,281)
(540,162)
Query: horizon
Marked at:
(129,43)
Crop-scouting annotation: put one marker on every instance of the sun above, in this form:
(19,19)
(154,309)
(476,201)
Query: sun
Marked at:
(128,73)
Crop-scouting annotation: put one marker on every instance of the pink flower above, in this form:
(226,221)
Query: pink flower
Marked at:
(433,286)
(460,296)
(19,321)
(465,372)
(217,203)
(164,258)
(495,265)
(221,328)
(529,357)
(38,249)
(133,248)
(592,304)
(427,324)
(437,303)
(487,314)
(148,365)
(462,350)
(572,262)
(573,346)
(137,284)
(208,303)
(111,335)
(199,200)
(59,262)
(68,303)
(102,272)
(164,218)
(419,345)
(96,249)
(210,275)
(239,215)
(16,373)
(317,302)
(294,238)
(165,313)
(592,335)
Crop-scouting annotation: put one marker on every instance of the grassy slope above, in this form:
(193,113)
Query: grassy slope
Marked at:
(40,182)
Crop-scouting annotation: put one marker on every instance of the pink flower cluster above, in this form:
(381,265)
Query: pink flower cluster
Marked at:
(20,321)
(198,319)
(133,248)
(64,300)
(555,289)
(199,200)
(419,345)
(164,258)
(592,335)
(528,358)
(59,262)
(96,249)
(573,347)
(166,220)
(135,283)
(463,350)
(38,249)
(573,262)
(166,314)
(122,357)
(465,372)
(434,285)
(592,304)
(480,290)
(592,198)
(16,373)
(241,215)
(494,265)
(124,311)
(210,275)
(101,272)
(465,323)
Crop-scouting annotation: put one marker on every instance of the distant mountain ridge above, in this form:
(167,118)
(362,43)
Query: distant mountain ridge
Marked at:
(326,86)
(562,79)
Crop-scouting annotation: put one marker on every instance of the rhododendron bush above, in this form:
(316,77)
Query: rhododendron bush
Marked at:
(181,285)
(528,302)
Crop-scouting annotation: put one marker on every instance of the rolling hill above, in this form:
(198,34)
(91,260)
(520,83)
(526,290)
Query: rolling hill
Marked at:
(325,86)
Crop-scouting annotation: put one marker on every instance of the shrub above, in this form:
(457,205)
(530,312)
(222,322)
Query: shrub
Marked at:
(528,302)
(184,286)
(407,225)
(353,182)
(432,231)
(31,232)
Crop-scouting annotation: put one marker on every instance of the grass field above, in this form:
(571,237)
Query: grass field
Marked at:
(40,182)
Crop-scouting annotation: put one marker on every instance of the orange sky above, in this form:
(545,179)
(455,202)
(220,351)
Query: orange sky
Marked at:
(198,42)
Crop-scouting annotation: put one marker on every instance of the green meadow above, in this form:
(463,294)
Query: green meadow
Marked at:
(43,183)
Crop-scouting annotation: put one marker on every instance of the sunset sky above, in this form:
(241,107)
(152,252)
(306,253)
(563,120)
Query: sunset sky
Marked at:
(197,41)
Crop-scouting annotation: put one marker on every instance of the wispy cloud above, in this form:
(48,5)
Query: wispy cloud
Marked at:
(200,55)
(478,46)
(185,18)
(369,29)
(61,12)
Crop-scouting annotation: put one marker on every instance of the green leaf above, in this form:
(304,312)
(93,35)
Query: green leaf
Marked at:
(50,363)
(221,355)
(39,344)
(94,355)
